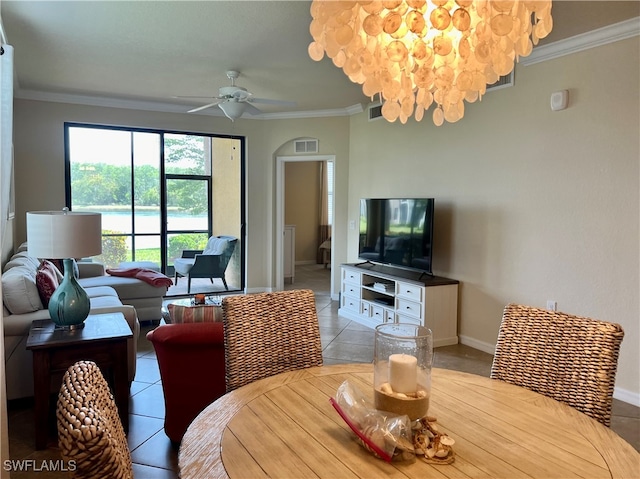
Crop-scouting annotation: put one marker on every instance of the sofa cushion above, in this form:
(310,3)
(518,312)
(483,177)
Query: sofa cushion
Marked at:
(100,302)
(46,281)
(194,314)
(97,291)
(19,290)
(127,288)
(22,259)
(89,269)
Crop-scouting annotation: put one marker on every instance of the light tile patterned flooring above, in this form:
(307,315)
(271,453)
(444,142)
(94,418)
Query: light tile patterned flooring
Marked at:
(342,341)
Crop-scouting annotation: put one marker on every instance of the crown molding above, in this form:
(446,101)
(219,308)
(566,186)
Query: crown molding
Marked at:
(602,36)
(285,115)
(108,102)
(130,104)
(584,41)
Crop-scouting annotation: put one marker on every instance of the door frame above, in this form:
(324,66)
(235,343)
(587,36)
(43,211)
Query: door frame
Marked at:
(279,230)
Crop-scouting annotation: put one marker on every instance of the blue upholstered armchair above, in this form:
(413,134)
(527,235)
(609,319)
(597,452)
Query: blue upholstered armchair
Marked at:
(208,263)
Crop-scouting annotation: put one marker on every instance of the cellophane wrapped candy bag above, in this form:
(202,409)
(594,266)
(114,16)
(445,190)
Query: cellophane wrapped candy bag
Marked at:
(384,434)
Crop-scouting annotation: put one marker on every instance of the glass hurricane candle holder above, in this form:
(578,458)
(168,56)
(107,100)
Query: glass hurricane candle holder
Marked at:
(402,369)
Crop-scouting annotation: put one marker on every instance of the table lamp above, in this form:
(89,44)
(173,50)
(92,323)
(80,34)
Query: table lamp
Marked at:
(65,235)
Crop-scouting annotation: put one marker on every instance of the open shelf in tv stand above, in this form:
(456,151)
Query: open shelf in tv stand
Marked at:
(409,297)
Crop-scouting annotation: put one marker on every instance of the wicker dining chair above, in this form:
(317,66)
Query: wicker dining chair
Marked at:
(569,358)
(89,429)
(269,333)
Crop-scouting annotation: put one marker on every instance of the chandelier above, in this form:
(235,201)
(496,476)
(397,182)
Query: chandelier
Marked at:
(413,53)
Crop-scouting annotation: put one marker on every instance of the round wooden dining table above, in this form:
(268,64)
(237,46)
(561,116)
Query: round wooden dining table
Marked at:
(285,427)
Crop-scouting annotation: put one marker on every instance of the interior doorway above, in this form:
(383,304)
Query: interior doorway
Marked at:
(281,162)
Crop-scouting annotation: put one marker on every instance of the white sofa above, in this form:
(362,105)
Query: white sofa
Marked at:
(136,299)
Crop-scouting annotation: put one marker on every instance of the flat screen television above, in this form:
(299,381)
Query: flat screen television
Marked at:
(397,232)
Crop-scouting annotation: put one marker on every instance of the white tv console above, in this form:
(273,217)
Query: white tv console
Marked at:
(372,294)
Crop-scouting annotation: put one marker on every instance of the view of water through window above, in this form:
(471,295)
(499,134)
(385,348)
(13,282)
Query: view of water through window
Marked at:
(139,178)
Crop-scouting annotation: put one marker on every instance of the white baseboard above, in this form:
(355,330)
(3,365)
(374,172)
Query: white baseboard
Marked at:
(627,396)
(258,290)
(475,344)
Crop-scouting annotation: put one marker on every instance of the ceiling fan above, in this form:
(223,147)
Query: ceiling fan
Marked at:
(235,100)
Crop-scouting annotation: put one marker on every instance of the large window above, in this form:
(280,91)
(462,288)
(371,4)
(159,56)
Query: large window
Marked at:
(154,189)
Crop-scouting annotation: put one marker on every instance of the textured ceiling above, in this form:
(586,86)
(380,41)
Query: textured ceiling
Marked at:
(153,51)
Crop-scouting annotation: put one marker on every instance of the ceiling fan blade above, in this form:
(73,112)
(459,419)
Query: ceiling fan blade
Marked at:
(204,107)
(194,96)
(252,110)
(271,102)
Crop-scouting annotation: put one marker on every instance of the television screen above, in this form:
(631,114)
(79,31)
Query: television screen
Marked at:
(397,231)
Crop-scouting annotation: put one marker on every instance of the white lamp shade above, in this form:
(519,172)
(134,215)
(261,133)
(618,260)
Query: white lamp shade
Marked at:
(64,234)
(232,109)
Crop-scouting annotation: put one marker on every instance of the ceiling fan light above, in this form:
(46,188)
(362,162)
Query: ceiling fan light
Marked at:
(232,109)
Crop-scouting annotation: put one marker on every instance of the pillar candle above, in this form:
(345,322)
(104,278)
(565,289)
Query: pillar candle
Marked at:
(403,373)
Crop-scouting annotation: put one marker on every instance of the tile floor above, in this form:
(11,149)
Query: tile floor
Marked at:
(342,341)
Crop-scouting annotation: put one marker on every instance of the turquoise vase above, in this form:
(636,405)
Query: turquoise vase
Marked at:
(69,304)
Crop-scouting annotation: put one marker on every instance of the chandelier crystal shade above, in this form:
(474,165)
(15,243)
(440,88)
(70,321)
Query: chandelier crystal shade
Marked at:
(414,53)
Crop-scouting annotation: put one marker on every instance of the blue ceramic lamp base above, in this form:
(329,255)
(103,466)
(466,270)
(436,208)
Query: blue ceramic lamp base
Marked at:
(69,305)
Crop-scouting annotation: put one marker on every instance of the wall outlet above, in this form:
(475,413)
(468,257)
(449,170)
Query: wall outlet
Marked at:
(552,305)
(352,225)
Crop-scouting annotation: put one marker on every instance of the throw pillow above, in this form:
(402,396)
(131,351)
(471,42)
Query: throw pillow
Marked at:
(46,281)
(19,291)
(194,314)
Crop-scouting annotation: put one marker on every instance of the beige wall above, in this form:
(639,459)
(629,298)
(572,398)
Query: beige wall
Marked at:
(226,186)
(302,190)
(531,205)
(225,195)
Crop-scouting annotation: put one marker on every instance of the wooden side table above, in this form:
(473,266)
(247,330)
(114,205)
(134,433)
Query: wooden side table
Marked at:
(102,340)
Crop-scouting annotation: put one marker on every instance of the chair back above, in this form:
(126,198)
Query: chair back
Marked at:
(569,358)
(217,245)
(227,252)
(222,246)
(269,333)
(89,428)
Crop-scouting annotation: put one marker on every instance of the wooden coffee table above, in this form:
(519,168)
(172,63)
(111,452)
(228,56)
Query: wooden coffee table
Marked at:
(102,340)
